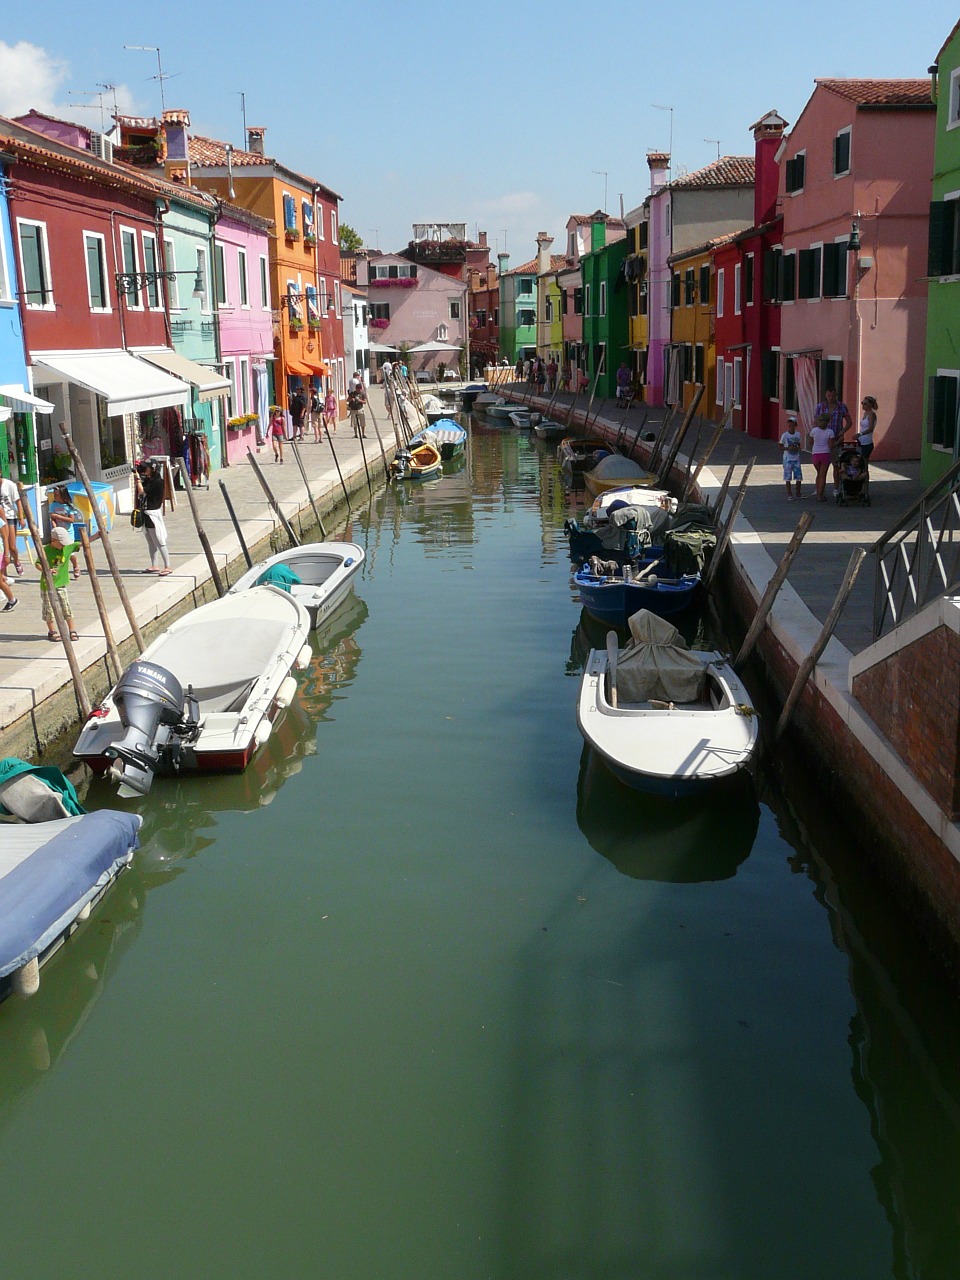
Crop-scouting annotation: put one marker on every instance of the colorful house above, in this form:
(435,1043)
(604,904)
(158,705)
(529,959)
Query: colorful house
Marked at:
(585,232)
(356,337)
(636,269)
(410,305)
(244,314)
(941,438)
(747,328)
(605,329)
(484,302)
(304,259)
(18,456)
(855,190)
(690,358)
(88,246)
(549,301)
(518,310)
(689,211)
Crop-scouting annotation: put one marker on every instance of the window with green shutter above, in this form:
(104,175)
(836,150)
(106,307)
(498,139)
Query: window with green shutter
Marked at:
(942,411)
(689,286)
(788,277)
(835,270)
(943,246)
(772,274)
(808,272)
(748,280)
(704,286)
(675,289)
(841,153)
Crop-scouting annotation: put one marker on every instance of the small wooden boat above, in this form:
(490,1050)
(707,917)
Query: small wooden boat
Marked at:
(204,695)
(663,718)
(419,462)
(319,575)
(576,455)
(615,598)
(617,472)
(547,429)
(467,396)
(446,434)
(434,409)
(52,875)
(487,398)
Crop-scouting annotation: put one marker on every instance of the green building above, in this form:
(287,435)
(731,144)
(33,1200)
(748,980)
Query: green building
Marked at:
(518,310)
(605,320)
(941,440)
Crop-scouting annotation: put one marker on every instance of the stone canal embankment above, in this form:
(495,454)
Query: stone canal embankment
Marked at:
(37,698)
(877,724)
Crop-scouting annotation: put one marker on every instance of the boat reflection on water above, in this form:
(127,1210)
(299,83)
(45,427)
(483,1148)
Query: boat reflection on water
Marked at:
(36,1032)
(336,657)
(683,841)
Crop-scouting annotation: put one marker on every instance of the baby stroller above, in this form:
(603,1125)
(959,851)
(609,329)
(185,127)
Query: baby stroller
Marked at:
(854,476)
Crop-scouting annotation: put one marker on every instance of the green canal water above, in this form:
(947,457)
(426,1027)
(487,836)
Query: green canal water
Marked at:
(425,995)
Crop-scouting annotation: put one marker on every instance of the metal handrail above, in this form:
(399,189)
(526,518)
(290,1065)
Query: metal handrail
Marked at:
(918,559)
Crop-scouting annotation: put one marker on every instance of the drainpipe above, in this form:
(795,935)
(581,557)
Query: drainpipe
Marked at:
(217,215)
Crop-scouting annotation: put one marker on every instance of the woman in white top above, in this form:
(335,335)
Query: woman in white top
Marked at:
(868,423)
(11,510)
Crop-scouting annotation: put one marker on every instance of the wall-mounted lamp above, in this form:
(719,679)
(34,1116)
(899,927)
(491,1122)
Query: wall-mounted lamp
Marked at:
(131,282)
(853,244)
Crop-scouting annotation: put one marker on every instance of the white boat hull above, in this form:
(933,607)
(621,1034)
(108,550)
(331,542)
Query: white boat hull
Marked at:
(327,571)
(671,750)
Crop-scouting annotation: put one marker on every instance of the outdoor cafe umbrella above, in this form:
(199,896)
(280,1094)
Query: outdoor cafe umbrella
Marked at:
(425,347)
(381,347)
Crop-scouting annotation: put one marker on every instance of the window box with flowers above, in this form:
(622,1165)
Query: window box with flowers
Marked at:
(296,323)
(379,324)
(310,238)
(313,324)
(242,421)
(292,233)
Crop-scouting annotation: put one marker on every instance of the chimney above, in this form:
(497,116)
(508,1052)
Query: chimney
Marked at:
(482,239)
(255,134)
(659,164)
(768,134)
(543,252)
(598,230)
(176,136)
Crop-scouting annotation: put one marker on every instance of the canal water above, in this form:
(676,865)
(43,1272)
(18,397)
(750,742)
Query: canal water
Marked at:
(425,994)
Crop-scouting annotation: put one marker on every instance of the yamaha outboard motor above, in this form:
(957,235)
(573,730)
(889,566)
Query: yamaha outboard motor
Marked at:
(150,701)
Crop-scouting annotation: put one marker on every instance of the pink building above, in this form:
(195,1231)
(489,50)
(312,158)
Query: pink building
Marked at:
(410,304)
(242,252)
(855,182)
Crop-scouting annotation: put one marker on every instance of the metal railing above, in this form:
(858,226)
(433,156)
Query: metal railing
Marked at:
(918,560)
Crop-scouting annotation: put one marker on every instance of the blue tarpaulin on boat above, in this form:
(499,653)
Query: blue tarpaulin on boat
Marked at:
(50,870)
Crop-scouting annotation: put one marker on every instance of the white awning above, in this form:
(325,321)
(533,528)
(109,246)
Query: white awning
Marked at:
(19,398)
(210,384)
(127,384)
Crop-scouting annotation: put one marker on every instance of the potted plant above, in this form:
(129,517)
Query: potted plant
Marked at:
(296,323)
(292,233)
(236,424)
(310,238)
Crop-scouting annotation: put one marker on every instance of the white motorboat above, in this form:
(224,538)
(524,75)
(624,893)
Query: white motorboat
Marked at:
(598,513)
(487,398)
(204,695)
(525,419)
(548,429)
(319,575)
(665,719)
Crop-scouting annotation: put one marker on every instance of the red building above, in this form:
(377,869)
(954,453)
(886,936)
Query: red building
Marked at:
(748,330)
(483,300)
(79,223)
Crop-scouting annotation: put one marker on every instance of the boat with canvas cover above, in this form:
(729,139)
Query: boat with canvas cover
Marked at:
(617,472)
(615,597)
(53,869)
(664,718)
(318,574)
(447,434)
(204,695)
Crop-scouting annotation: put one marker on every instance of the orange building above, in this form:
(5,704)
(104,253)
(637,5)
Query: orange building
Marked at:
(303,267)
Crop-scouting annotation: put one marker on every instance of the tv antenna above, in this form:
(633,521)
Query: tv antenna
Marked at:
(716,141)
(161,75)
(243,113)
(99,93)
(602,173)
(656,106)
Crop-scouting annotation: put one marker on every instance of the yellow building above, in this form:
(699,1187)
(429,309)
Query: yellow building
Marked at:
(692,353)
(636,269)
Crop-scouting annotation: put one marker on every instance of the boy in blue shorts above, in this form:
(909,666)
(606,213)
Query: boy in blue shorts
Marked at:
(790,449)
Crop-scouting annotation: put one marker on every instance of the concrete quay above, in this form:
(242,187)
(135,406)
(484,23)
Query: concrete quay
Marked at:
(37,699)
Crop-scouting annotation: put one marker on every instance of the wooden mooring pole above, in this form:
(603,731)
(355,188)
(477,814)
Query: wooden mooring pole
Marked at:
(275,506)
(306,485)
(664,473)
(773,590)
(728,527)
(112,653)
(81,471)
(692,479)
(806,667)
(722,495)
(201,532)
(236,524)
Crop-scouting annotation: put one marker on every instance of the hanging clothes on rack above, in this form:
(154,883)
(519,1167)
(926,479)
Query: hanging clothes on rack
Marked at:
(196,454)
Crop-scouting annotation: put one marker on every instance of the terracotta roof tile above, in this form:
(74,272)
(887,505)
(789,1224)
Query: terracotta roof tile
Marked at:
(524,269)
(582,219)
(728,171)
(210,151)
(882,93)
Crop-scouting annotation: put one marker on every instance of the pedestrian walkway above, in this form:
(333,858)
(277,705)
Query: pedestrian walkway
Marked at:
(818,570)
(32,669)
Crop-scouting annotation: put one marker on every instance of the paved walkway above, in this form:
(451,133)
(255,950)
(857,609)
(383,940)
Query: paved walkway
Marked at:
(32,668)
(819,567)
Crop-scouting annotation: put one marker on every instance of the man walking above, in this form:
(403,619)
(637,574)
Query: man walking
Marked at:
(356,399)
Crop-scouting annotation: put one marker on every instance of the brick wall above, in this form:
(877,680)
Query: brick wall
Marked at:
(914,699)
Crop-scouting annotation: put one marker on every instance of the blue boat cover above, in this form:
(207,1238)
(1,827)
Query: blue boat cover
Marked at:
(43,892)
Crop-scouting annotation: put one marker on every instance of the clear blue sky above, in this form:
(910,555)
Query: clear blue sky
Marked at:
(495,115)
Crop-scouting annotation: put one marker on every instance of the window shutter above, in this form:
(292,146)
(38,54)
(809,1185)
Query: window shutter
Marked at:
(413,271)
(799,168)
(831,270)
(940,247)
(705,285)
(748,279)
(789,176)
(805,273)
(675,289)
